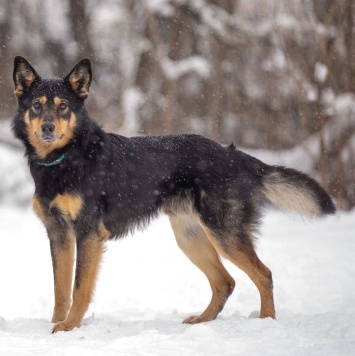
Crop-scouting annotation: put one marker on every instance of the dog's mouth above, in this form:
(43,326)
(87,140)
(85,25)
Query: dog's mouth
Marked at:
(48,138)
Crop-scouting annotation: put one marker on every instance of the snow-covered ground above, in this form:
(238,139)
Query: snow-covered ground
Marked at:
(147,287)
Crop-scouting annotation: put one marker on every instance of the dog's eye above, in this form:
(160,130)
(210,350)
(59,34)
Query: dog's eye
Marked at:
(37,105)
(62,106)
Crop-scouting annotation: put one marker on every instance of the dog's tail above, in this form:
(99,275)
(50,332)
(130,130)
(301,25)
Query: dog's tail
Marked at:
(295,192)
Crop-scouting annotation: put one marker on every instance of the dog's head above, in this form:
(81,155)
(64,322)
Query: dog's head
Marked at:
(48,107)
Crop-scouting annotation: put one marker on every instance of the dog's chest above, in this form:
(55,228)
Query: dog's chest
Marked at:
(69,205)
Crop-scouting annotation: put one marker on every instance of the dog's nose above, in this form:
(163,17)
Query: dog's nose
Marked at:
(47,128)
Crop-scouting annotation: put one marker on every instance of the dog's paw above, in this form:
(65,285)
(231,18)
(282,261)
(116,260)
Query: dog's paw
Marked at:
(196,320)
(56,320)
(65,326)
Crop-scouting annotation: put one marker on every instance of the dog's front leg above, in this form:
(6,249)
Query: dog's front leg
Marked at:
(89,252)
(62,244)
(62,251)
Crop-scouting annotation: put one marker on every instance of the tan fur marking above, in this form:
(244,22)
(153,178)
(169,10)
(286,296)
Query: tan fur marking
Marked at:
(65,129)
(61,126)
(103,232)
(68,204)
(248,262)
(33,127)
(18,90)
(38,209)
(42,149)
(26,118)
(57,100)
(29,80)
(74,81)
(43,99)
(63,262)
(84,93)
(89,260)
(191,238)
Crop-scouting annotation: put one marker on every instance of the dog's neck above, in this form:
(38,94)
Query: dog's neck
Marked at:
(52,163)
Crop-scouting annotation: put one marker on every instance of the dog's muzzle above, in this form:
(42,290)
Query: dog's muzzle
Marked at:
(47,132)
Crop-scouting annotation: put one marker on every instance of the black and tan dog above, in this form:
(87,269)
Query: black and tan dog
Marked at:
(91,186)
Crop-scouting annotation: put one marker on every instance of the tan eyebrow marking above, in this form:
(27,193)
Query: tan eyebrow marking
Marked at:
(57,100)
(43,99)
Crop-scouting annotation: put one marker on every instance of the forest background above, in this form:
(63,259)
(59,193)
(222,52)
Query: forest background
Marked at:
(265,74)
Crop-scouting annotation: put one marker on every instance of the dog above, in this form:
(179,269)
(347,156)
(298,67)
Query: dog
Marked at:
(92,186)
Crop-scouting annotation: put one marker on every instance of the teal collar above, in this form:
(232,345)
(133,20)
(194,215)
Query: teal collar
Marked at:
(53,163)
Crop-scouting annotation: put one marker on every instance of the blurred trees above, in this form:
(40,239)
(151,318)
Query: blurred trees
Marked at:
(264,73)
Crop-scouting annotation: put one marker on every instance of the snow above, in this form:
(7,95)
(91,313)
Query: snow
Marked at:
(132,100)
(147,287)
(175,69)
(321,72)
(16,183)
(161,7)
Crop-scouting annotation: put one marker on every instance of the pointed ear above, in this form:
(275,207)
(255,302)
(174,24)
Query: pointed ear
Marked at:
(24,75)
(80,78)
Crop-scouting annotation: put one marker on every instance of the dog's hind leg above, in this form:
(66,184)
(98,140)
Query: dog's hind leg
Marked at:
(244,257)
(192,240)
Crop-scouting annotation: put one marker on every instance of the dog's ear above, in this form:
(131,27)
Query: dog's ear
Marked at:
(24,75)
(80,78)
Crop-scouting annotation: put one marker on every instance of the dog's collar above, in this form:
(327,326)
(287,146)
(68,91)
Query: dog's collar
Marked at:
(53,163)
